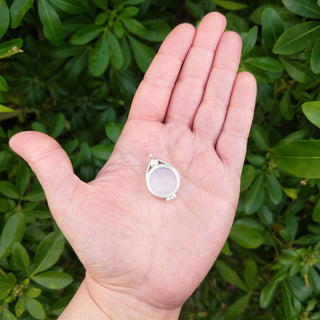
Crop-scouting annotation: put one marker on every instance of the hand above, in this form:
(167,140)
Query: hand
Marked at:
(192,110)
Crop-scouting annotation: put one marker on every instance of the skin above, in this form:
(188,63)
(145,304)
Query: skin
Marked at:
(144,256)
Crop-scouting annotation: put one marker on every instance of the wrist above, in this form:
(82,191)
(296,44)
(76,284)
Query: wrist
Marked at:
(93,301)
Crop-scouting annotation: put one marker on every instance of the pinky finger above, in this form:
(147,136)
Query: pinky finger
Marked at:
(232,142)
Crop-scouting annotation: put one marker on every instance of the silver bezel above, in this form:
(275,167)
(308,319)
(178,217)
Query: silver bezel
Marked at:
(162,164)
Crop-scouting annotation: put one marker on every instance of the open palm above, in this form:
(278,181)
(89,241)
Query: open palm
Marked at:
(192,110)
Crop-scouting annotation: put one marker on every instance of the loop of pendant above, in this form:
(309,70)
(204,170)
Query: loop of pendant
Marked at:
(163,180)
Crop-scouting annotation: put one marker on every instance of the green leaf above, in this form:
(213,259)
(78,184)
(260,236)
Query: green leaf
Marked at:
(274,189)
(116,55)
(113,131)
(265,63)
(102,4)
(246,237)
(53,279)
(100,56)
(4,18)
(9,190)
(7,315)
(3,84)
(297,38)
(251,274)
(260,137)
(48,252)
(70,6)
(18,10)
(35,308)
(255,196)
(315,54)
(285,106)
(299,158)
(249,40)
(316,212)
(272,27)
(237,308)
(267,293)
(129,12)
(134,26)
(297,70)
(19,307)
(118,29)
(86,34)
(33,292)
(4,109)
(298,288)
(143,54)
(156,31)
(314,280)
(102,152)
(35,195)
(23,178)
(21,258)
(230,5)
(13,231)
(229,275)
(52,26)
(57,125)
(247,177)
(312,111)
(10,48)
(304,8)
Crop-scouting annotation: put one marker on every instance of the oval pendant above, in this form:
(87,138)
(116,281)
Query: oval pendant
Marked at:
(163,180)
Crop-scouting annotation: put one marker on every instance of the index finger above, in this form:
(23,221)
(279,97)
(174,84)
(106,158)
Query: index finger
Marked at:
(152,97)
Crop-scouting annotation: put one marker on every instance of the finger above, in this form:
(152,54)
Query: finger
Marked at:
(51,166)
(212,111)
(152,97)
(232,142)
(192,80)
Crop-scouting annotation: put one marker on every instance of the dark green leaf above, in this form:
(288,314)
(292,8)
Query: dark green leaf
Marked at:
(36,195)
(316,212)
(314,280)
(143,54)
(315,61)
(312,111)
(247,177)
(52,26)
(237,308)
(297,71)
(299,158)
(13,231)
(35,308)
(297,38)
(246,237)
(251,274)
(249,40)
(274,190)
(7,315)
(285,106)
(70,6)
(102,4)
(255,196)
(265,63)
(4,18)
(299,288)
(21,258)
(134,26)
(118,29)
(156,31)
(129,12)
(260,137)
(116,55)
(100,56)
(102,152)
(272,27)
(305,8)
(18,10)
(48,252)
(101,18)
(86,34)
(3,84)
(229,275)
(230,5)
(53,279)
(9,190)
(268,293)
(23,178)
(57,125)
(113,131)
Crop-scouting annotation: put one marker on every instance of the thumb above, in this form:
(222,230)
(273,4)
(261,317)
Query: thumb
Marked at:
(51,165)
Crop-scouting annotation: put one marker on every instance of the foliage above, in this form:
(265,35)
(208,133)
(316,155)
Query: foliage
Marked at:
(70,68)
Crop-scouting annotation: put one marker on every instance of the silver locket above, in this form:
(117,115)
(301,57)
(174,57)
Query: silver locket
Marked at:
(163,180)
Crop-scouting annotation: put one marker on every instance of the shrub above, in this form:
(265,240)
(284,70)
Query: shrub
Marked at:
(70,68)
